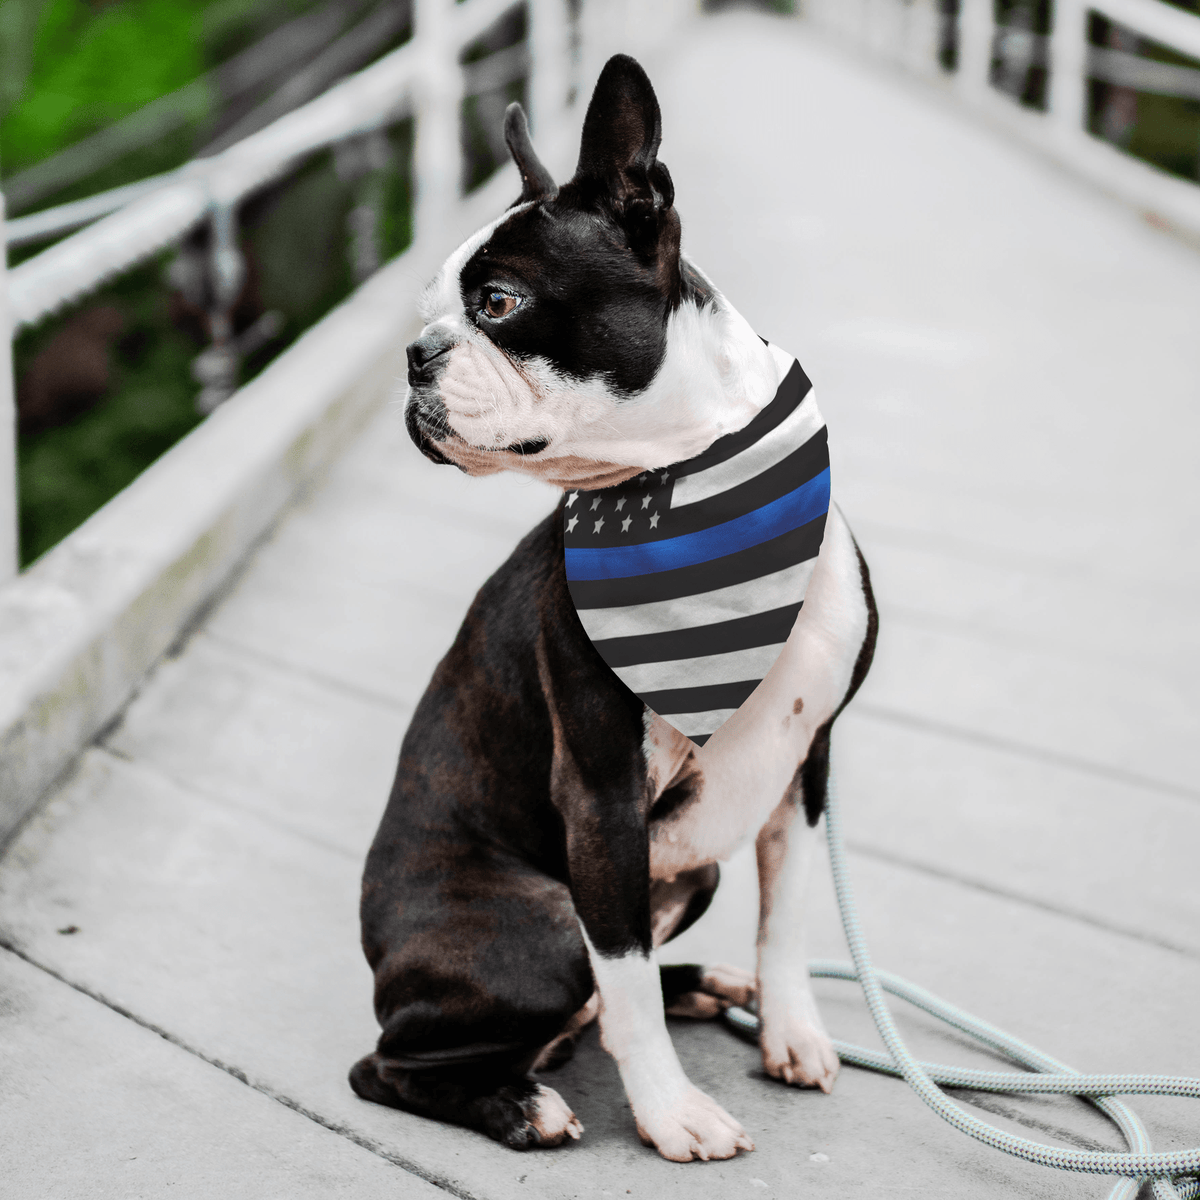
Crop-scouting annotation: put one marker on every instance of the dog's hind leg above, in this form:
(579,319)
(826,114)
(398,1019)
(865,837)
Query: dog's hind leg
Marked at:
(496,1096)
(472,980)
(691,990)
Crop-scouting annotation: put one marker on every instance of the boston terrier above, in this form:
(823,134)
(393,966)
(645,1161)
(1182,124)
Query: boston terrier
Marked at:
(646,683)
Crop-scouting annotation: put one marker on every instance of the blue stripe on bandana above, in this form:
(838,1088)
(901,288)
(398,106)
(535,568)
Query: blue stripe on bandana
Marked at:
(789,512)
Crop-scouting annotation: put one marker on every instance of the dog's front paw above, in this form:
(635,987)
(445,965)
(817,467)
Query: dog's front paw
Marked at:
(542,1118)
(799,1053)
(694,1126)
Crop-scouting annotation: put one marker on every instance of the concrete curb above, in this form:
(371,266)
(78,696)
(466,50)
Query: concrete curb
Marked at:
(85,623)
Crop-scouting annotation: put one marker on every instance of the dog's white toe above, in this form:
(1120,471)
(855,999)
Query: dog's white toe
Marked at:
(797,1052)
(695,1126)
(552,1118)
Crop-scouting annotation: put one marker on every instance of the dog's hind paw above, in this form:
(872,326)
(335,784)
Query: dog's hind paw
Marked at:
(541,1118)
(695,1126)
(553,1118)
(720,986)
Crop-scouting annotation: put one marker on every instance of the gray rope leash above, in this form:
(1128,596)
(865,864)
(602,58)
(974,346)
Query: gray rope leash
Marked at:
(1046,1075)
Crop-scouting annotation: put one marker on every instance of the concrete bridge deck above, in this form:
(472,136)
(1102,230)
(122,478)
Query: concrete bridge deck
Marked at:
(1009,366)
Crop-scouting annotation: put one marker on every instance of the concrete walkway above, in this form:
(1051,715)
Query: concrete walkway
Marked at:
(1009,365)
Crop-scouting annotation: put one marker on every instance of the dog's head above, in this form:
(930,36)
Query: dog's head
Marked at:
(570,339)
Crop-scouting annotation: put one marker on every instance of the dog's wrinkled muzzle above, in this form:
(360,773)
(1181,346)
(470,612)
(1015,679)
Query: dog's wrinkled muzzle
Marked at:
(425,415)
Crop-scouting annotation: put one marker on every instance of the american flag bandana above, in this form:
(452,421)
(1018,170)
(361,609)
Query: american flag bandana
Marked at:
(688,579)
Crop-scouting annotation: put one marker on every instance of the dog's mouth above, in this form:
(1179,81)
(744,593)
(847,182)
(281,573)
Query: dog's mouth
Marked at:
(526,449)
(426,429)
(429,428)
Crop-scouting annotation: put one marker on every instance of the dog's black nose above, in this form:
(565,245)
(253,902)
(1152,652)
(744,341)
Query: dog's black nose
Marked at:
(422,352)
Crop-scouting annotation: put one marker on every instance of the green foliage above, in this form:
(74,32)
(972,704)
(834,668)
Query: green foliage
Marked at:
(70,67)
(89,66)
(66,474)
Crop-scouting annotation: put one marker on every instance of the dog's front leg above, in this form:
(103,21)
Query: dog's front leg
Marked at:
(599,785)
(795,1046)
(672,1115)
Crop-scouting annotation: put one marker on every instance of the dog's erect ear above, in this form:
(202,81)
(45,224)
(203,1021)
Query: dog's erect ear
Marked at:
(536,181)
(617,155)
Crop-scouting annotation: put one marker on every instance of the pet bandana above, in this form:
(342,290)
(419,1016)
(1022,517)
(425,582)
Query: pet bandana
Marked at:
(688,579)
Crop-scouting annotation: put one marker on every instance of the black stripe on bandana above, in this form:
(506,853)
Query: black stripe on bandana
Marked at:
(754,562)
(742,633)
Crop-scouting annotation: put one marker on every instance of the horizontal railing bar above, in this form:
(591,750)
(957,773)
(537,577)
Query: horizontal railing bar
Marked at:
(1107,65)
(353,49)
(354,105)
(1143,74)
(39,226)
(1173,27)
(80,262)
(151,122)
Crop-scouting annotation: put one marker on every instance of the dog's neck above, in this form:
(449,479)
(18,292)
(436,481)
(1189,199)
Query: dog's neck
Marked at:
(716,375)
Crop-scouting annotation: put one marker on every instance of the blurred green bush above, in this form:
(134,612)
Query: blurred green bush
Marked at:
(71,67)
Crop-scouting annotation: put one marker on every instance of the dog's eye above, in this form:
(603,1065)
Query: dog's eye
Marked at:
(500,304)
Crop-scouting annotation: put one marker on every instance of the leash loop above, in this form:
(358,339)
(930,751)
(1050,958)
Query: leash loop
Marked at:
(1165,1170)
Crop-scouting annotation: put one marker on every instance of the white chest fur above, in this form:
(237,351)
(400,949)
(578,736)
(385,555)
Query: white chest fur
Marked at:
(730,786)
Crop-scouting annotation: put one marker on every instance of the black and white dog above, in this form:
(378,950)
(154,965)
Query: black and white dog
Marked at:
(547,830)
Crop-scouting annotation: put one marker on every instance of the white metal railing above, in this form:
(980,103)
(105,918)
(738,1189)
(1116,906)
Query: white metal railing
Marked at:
(914,34)
(422,79)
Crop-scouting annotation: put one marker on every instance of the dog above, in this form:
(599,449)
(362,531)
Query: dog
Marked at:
(547,830)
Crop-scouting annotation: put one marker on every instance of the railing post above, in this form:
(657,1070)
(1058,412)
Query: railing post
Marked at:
(884,28)
(8,425)
(921,36)
(437,161)
(361,161)
(976,31)
(1068,68)
(217,367)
